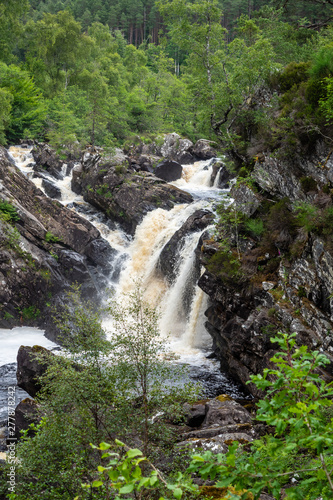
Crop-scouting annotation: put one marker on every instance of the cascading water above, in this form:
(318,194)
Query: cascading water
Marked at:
(182,304)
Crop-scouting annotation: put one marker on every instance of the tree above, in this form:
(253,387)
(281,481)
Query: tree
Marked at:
(56,49)
(6,99)
(100,390)
(141,353)
(223,77)
(27,111)
(11,12)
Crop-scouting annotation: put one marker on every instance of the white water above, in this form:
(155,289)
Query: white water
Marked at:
(186,331)
(11,340)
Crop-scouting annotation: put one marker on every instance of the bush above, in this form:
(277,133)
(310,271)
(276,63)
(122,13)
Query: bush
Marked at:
(8,212)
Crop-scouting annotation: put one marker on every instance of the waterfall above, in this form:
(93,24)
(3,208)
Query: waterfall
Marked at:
(182,303)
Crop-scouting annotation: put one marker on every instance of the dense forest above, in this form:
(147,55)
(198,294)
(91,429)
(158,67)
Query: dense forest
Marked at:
(254,78)
(73,75)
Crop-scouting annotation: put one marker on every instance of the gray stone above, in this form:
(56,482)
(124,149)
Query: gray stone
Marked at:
(169,170)
(51,189)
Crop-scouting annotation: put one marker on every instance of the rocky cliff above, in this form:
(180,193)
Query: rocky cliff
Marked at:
(276,272)
(44,249)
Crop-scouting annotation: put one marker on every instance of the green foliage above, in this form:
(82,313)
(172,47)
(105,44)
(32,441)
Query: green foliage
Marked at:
(307,216)
(50,238)
(293,74)
(123,474)
(27,110)
(301,446)
(30,313)
(8,212)
(255,227)
(298,406)
(98,390)
(225,265)
(6,99)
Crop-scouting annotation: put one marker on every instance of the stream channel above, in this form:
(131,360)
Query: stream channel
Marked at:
(182,304)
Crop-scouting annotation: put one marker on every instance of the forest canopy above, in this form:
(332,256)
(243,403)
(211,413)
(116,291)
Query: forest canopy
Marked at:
(79,71)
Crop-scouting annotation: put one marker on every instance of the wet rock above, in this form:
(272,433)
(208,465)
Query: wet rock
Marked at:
(169,170)
(204,149)
(76,182)
(26,413)
(29,368)
(223,176)
(169,257)
(247,201)
(74,266)
(100,252)
(51,189)
(47,159)
(126,196)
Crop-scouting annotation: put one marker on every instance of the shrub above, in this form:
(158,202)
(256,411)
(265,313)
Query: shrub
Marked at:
(255,227)
(8,212)
(50,238)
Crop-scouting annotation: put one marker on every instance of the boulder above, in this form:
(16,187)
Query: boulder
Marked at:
(177,149)
(76,182)
(29,368)
(51,189)
(219,422)
(223,411)
(26,413)
(169,170)
(194,414)
(46,158)
(204,149)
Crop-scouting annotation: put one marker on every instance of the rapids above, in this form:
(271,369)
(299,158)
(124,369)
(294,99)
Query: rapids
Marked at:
(137,258)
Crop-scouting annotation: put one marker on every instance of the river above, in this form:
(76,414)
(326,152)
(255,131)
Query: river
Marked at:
(182,304)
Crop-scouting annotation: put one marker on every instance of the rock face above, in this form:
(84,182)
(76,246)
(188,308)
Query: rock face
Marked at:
(124,195)
(171,147)
(286,283)
(216,423)
(44,248)
(169,257)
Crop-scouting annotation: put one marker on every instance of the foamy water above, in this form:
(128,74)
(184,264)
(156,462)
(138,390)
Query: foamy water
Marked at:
(11,340)
(138,256)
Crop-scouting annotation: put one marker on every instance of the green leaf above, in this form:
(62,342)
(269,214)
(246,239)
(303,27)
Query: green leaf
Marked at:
(97,484)
(134,453)
(177,493)
(119,443)
(128,488)
(104,446)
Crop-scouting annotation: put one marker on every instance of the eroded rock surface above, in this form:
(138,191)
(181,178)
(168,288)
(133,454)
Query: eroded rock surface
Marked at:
(124,195)
(34,239)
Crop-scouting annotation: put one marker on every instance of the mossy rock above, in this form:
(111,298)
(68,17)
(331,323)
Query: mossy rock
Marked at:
(224,397)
